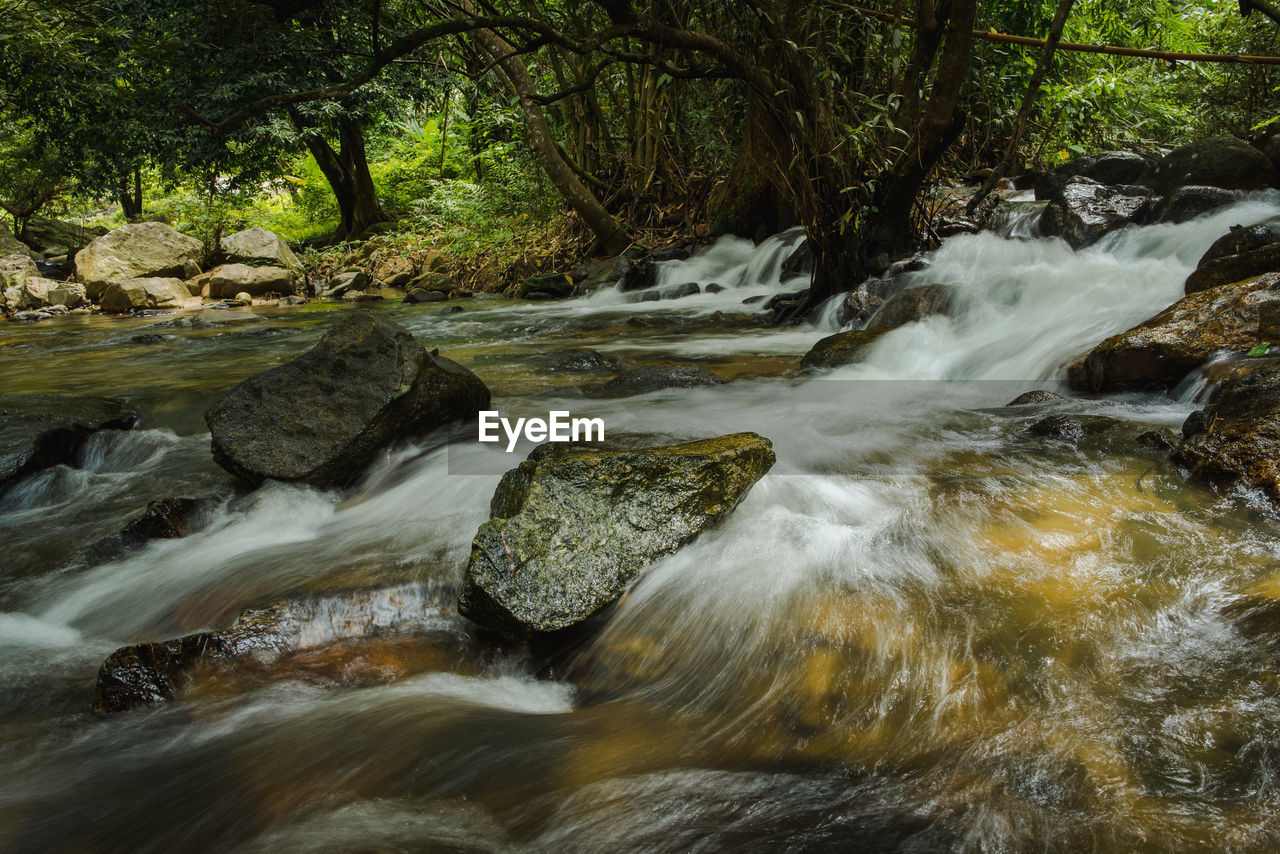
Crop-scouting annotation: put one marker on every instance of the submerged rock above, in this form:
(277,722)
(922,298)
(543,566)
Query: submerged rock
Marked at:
(1242,253)
(843,348)
(140,250)
(1159,352)
(654,378)
(1083,211)
(1036,397)
(42,430)
(164,519)
(321,418)
(575,524)
(1216,161)
(1236,438)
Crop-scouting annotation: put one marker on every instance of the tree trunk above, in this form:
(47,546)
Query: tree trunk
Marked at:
(609,233)
(347,171)
(749,202)
(131,199)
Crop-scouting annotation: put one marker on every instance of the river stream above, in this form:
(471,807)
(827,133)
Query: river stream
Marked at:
(923,630)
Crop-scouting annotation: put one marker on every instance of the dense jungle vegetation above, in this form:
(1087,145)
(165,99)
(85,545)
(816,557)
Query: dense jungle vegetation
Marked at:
(521,134)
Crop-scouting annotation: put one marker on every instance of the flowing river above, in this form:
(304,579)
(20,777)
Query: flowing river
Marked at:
(924,630)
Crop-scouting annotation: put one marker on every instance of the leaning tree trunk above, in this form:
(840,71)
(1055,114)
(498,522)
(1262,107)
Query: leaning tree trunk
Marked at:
(347,171)
(610,234)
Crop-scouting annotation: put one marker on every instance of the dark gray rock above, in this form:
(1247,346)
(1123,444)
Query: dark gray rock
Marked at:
(1036,397)
(573,526)
(321,418)
(1186,203)
(653,378)
(547,286)
(1216,161)
(843,348)
(914,304)
(164,519)
(1236,438)
(687,289)
(1108,168)
(42,430)
(582,361)
(1083,211)
(1242,253)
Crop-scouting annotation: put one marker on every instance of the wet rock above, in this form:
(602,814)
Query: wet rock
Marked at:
(42,430)
(653,378)
(361,296)
(1242,253)
(1186,203)
(1236,439)
(1072,428)
(1157,440)
(1216,161)
(144,293)
(546,286)
(583,361)
(420,296)
(215,317)
(164,519)
(861,304)
(1108,168)
(681,251)
(753,300)
(1083,211)
(687,289)
(1036,397)
(258,247)
(914,304)
(801,262)
(147,673)
(140,250)
(573,526)
(351,280)
(291,301)
(603,274)
(843,348)
(322,417)
(229,280)
(638,275)
(715,288)
(1159,352)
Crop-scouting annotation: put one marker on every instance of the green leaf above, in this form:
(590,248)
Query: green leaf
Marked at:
(1260,349)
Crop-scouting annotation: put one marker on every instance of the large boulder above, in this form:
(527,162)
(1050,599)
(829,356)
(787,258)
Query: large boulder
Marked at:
(140,250)
(914,304)
(16,269)
(143,293)
(1240,254)
(843,348)
(1083,210)
(258,247)
(1186,203)
(321,418)
(42,430)
(654,378)
(70,294)
(1109,168)
(226,281)
(1216,161)
(1237,437)
(1161,351)
(395,272)
(34,292)
(575,524)
(10,245)
(49,237)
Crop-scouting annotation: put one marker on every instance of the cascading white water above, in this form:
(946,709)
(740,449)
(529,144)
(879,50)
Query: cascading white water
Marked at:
(924,628)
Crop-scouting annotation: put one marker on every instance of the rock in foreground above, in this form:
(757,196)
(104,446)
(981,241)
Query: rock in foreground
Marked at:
(654,378)
(1237,437)
(42,430)
(575,524)
(321,418)
(843,348)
